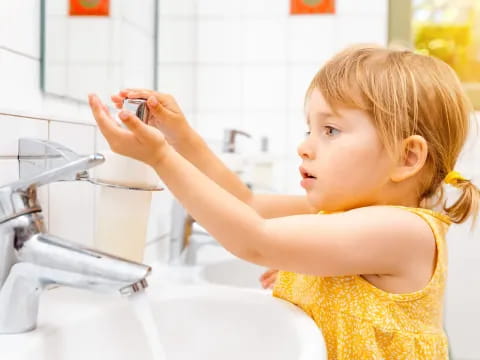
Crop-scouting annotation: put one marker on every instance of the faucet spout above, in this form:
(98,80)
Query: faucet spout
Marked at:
(79,266)
(37,260)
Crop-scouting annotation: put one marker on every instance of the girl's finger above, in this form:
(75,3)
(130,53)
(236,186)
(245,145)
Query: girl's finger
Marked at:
(272,278)
(106,110)
(139,94)
(117,98)
(107,125)
(267,274)
(134,124)
(269,281)
(125,91)
(268,284)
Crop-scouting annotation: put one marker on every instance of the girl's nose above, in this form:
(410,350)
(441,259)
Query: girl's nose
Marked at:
(304,150)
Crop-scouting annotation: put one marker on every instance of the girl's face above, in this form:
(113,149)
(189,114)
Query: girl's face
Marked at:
(344,163)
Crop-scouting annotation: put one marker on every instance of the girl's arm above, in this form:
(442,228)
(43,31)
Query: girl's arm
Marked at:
(370,240)
(166,115)
(196,151)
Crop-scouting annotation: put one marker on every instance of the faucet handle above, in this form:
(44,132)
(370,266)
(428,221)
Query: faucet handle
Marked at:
(42,162)
(229,137)
(71,171)
(48,162)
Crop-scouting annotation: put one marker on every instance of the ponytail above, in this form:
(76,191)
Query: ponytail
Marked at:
(467,204)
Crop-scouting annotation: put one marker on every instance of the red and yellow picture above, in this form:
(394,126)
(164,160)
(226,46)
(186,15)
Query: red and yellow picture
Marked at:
(298,7)
(89,7)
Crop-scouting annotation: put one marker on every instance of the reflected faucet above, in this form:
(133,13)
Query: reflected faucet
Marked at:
(31,259)
(186,237)
(229,139)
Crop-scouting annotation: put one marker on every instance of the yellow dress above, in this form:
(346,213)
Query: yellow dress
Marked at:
(361,321)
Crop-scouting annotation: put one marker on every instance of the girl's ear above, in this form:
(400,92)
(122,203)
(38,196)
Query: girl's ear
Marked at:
(415,151)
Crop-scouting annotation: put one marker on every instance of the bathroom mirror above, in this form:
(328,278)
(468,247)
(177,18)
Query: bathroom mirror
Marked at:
(101,54)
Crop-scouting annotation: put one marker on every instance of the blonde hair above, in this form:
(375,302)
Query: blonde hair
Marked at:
(407,94)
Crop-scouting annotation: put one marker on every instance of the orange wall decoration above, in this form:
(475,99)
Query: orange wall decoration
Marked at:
(298,7)
(89,7)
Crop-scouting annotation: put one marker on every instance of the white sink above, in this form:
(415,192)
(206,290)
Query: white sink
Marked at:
(233,272)
(215,265)
(195,322)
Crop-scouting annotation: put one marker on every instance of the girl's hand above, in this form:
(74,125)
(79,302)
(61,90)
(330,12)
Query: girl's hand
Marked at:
(165,114)
(268,278)
(138,141)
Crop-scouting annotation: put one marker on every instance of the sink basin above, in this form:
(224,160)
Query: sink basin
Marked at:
(233,272)
(194,322)
(215,265)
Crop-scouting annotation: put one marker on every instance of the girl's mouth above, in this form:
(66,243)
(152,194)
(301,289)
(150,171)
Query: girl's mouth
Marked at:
(305,174)
(307,179)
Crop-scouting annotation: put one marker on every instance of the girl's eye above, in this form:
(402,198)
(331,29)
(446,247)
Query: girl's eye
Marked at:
(308,133)
(331,131)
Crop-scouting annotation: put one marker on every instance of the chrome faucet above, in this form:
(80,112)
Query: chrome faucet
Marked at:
(186,237)
(31,259)
(229,137)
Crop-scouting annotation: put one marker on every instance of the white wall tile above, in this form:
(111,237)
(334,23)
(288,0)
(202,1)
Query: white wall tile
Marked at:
(266,8)
(179,81)
(219,41)
(79,138)
(116,82)
(56,39)
(13,128)
(176,40)
(264,87)
(84,79)
(56,8)
(355,7)
(354,29)
(116,41)
(19,75)
(271,124)
(264,41)
(63,110)
(139,14)
(219,8)
(467,162)
(177,7)
(137,58)
(9,171)
(219,87)
(299,78)
(311,39)
(211,126)
(19,26)
(56,79)
(88,40)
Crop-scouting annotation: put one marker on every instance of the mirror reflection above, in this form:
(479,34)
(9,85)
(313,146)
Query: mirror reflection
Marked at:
(105,53)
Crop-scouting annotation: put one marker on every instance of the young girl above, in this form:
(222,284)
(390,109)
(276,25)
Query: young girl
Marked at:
(363,253)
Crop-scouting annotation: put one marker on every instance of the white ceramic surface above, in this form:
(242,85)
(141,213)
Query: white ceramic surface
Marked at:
(195,322)
(233,272)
